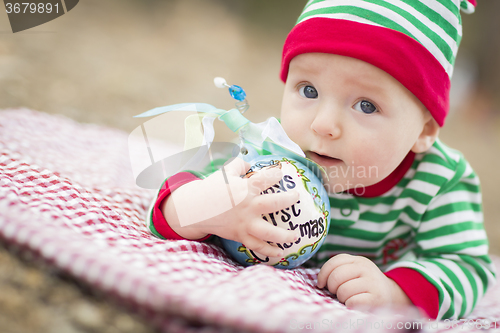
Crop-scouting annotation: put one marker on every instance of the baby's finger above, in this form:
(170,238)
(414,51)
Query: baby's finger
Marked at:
(330,265)
(235,167)
(350,288)
(340,276)
(268,232)
(264,179)
(269,203)
(261,247)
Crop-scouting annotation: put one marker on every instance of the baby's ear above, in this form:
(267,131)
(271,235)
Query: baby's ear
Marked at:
(428,136)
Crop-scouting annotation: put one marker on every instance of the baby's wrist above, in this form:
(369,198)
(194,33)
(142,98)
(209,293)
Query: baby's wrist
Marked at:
(398,296)
(172,207)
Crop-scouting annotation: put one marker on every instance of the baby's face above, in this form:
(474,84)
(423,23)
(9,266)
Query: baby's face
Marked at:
(350,117)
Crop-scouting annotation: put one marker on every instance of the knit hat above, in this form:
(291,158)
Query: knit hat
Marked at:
(414,41)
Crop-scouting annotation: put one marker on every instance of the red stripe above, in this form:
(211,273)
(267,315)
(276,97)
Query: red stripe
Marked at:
(392,51)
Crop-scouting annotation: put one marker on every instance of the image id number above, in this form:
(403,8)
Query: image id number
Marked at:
(27,7)
(470,323)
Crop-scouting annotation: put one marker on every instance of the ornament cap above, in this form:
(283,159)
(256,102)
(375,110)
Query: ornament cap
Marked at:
(220,82)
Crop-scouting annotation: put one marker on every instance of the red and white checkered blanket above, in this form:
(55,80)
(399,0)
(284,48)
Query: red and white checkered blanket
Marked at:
(67,194)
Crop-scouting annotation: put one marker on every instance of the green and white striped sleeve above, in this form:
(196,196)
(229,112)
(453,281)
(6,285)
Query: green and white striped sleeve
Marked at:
(451,244)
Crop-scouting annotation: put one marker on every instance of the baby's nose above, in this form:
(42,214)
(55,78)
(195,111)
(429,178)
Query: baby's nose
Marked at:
(326,126)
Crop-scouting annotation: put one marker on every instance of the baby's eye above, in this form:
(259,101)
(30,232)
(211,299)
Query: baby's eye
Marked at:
(365,107)
(308,92)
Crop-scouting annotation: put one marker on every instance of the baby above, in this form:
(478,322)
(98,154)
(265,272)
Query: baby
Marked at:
(366,92)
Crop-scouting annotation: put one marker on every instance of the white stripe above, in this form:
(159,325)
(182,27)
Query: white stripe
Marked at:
(453,239)
(366,244)
(411,172)
(352,242)
(434,151)
(368,208)
(400,203)
(436,169)
(455,196)
(366,225)
(343,16)
(405,202)
(471,181)
(480,250)
(423,187)
(408,220)
(397,232)
(445,13)
(452,153)
(395,17)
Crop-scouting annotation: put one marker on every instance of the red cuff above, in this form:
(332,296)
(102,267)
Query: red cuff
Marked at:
(419,290)
(157,218)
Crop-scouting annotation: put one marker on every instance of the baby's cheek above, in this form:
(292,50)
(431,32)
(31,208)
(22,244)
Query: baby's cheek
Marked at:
(293,132)
(285,124)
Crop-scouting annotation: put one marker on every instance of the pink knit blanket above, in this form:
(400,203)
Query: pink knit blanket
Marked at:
(68,195)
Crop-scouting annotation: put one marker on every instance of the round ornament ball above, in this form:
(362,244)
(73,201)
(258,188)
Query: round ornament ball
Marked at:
(309,215)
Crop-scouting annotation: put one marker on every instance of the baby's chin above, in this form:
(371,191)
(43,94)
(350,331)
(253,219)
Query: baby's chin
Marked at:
(335,185)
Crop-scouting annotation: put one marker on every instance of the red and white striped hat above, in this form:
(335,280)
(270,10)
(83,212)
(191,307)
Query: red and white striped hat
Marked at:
(414,41)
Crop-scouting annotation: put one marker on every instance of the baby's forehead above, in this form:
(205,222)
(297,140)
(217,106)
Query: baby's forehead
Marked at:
(320,61)
(317,65)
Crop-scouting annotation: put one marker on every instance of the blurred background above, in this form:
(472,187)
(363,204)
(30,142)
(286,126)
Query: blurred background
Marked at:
(108,60)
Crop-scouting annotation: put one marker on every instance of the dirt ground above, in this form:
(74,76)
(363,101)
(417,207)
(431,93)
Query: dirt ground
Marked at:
(106,61)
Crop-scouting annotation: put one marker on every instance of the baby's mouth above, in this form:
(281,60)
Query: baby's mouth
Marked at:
(324,160)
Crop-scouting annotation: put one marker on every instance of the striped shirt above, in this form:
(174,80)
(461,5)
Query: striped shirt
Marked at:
(430,222)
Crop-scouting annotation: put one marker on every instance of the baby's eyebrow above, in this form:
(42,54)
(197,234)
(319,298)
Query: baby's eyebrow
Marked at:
(374,86)
(305,68)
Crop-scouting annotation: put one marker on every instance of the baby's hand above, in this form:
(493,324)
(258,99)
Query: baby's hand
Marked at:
(360,284)
(231,207)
